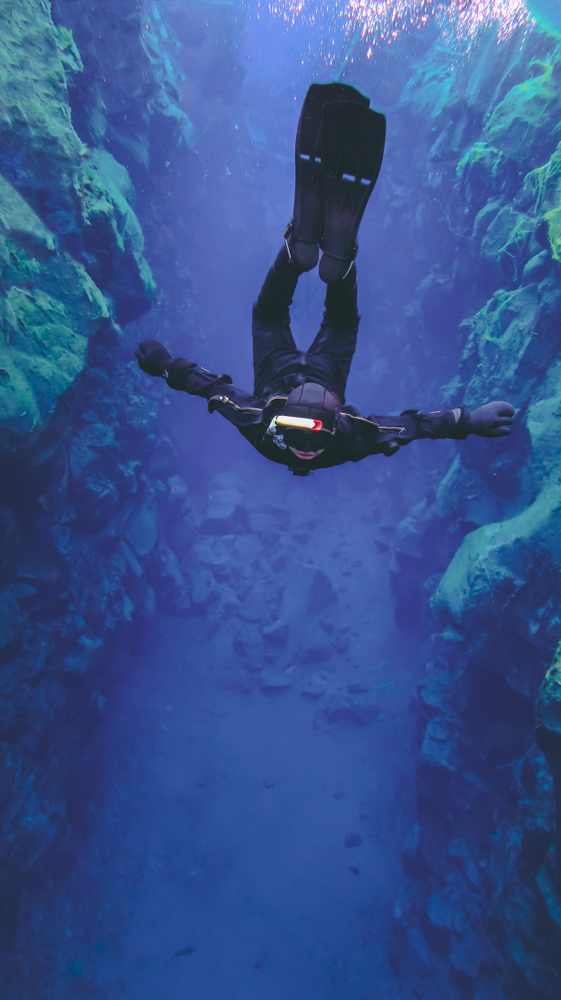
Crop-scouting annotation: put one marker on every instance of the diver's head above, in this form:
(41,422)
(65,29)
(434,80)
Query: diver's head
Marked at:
(308,421)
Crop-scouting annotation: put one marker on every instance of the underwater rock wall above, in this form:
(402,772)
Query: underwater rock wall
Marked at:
(127,97)
(82,498)
(90,117)
(479,916)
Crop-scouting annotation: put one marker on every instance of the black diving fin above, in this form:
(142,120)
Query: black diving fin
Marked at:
(307,225)
(351,150)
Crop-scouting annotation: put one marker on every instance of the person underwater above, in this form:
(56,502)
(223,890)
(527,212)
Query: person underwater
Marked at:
(297,415)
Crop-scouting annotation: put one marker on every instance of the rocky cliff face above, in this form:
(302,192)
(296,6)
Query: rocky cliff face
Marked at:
(480,909)
(97,528)
(93,516)
(81,496)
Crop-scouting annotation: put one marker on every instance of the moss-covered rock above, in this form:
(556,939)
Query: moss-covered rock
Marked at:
(71,247)
(512,340)
(542,421)
(48,309)
(483,172)
(113,237)
(542,188)
(506,240)
(495,562)
(82,196)
(526,122)
(548,712)
(39,149)
(492,124)
(129,94)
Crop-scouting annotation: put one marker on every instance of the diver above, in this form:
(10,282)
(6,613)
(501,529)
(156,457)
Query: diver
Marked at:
(297,415)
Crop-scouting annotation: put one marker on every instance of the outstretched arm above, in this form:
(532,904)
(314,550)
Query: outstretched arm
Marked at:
(235,404)
(386,435)
(493,419)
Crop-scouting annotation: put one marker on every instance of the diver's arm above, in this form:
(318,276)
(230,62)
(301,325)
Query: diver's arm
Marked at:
(187,376)
(442,424)
(493,419)
(386,435)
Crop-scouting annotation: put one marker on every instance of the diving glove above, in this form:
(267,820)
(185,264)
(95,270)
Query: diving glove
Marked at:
(153,357)
(491,420)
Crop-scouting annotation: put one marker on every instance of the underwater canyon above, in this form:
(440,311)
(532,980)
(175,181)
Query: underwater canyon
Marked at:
(268,738)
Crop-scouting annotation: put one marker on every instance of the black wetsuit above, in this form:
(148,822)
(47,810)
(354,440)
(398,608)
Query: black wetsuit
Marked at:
(280,367)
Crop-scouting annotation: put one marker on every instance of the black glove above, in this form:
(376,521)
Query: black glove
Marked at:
(491,420)
(153,357)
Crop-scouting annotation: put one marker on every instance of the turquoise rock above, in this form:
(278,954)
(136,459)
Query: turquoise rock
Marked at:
(49,309)
(548,711)
(113,234)
(493,564)
(484,167)
(36,129)
(495,171)
(544,187)
(526,121)
(506,240)
(542,421)
(54,300)
(512,339)
(465,495)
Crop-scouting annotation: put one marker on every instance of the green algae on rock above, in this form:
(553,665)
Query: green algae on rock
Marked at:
(71,247)
(481,172)
(548,711)
(113,236)
(49,308)
(44,158)
(39,148)
(526,122)
(496,176)
(543,186)
(493,565)
(511,340)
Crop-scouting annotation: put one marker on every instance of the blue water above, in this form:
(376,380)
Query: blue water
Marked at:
(254,798)
(218,859)
(224,829)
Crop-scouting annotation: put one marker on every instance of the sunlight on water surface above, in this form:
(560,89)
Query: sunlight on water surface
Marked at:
(382,21)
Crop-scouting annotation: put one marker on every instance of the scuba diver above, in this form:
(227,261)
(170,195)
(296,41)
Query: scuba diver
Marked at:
(297,415)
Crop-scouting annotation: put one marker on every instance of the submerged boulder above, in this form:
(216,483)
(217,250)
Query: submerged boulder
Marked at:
(70,244)
(39,150)
(493,564)
(526,121)
(49,309)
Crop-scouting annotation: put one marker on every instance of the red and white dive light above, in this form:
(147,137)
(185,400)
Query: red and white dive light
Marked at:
(298,423)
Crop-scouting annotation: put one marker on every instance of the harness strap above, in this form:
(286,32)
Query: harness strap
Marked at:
(273,399)
(379,427)
(226,399)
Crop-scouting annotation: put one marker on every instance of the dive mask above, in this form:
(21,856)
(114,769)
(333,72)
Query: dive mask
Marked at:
(308,421)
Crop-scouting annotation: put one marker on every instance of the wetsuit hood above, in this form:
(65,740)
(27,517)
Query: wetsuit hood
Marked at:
(311,402)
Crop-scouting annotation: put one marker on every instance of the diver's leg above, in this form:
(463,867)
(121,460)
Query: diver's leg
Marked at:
(272,336)
(336,340)
(352,148)
(309,189)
